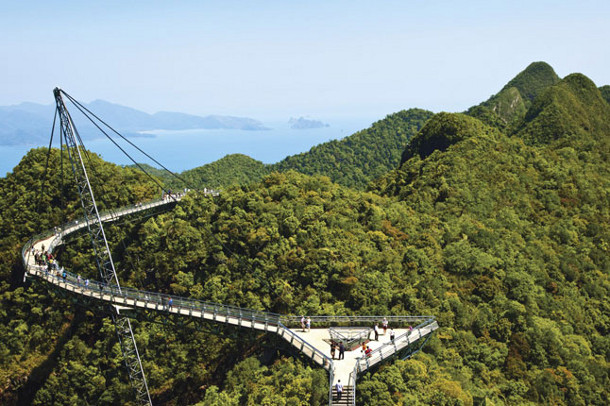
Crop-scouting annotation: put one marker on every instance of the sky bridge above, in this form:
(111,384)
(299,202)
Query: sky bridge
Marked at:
(313,343)
(353,333)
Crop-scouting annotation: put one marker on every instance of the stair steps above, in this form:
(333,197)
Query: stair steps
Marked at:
(347,397)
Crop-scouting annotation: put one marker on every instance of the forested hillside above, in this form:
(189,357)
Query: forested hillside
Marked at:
(236,169)
(499,228)
(43,334)
(510,104)
(362,157)
(605,92)
(522,225)
(353,161)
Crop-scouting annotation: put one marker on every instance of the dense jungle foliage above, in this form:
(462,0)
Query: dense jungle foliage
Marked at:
(362,157)
(605,92)
(501,231)
(235,169)
(353,161)
(510,104)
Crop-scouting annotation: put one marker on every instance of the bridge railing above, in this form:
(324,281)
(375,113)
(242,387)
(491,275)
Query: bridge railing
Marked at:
(391,348)
(159,301)
(347,320)
(146,299)
(106,215)
(353,378)
(316,355)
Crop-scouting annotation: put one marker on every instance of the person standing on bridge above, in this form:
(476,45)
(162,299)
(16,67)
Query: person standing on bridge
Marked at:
(303,323)
(339,387)
(170,302)
(308,323)
(341,350)
(392,335)
(384,324)
(332,349)
(376,332)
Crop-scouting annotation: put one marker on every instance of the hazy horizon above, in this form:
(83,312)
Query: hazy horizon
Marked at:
(271,60)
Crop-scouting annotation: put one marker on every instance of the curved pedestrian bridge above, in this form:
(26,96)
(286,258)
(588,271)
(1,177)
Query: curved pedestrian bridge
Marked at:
(411,332)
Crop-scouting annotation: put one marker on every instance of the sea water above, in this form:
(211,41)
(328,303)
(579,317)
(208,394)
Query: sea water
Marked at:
(182,150)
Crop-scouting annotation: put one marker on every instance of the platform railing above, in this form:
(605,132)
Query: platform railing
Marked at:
(355,320)
(350,336)
(390,349)
(316,355)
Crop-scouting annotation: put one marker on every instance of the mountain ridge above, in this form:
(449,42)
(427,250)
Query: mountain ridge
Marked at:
(30,123)
(511,103)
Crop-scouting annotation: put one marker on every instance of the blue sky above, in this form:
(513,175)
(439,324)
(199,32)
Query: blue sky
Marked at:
(276,59)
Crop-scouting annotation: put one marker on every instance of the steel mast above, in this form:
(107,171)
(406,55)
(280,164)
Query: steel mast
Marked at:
(103,257)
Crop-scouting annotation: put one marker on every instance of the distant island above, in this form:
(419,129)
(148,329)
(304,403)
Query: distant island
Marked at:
(30,123)
(303,123)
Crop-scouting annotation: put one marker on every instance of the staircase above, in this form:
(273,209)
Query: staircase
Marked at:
(347,397)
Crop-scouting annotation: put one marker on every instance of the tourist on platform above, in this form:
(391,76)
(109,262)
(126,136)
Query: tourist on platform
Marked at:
(376,332)
(332,349)
(392,335)
(341,350)
(308,323)
(303,323)
(385,325)
(339,387)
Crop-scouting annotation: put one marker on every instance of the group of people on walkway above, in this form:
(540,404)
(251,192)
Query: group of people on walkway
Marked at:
(169,195)
(333,349)
(384,325)
(167,302)
(45,260)
(365,349)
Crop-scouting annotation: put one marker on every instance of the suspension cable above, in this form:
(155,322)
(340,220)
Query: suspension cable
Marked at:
(81,108)
(88,113)
(113,141)
(44,175)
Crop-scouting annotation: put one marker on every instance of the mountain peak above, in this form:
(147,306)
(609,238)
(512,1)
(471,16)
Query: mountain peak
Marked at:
(574,106)
(533,80)
(510,104)
(442,131)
